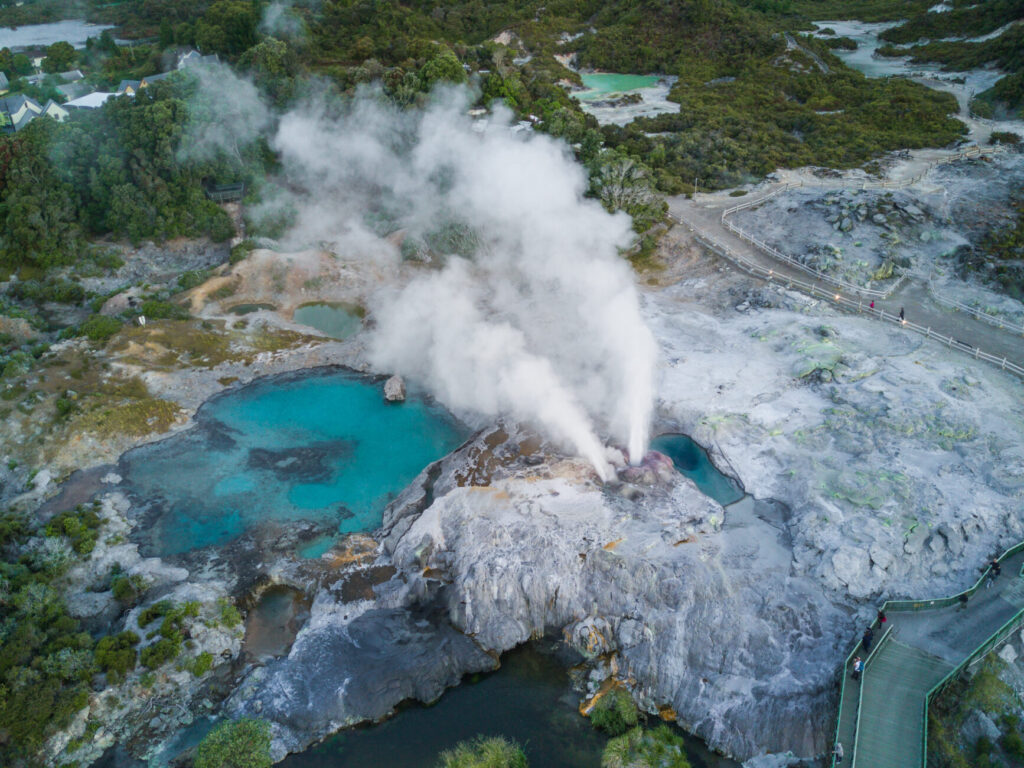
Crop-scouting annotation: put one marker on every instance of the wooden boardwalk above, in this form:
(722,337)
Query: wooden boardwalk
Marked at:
(881,720)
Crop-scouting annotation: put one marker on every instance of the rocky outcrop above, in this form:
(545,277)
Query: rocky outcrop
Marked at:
(345,672)
(394,389)
(705,617)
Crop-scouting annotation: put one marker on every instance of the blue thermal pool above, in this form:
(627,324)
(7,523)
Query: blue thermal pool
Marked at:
(693,461)
(324,447)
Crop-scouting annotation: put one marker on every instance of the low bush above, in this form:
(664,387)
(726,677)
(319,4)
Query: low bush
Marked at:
(201,664)
(128,590)
(615,712)
(99,327)
(116,655)
(481,752)
(236,744)
(79,525)
(639,748)
(162,310)
(1013,743)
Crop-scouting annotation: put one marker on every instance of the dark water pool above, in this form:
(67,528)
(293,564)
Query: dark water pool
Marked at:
(694,462)
(528,699)
(322,446)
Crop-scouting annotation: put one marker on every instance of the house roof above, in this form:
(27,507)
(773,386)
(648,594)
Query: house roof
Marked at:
(53,104)
(124,85)
(188,58)
(195,57)
(11,105)
(156,78)
(90,100)
(73,90)
(3,81)
(15,101)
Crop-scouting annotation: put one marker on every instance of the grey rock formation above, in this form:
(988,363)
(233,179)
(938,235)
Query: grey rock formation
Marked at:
(394,389)
(707,618)
(343,673)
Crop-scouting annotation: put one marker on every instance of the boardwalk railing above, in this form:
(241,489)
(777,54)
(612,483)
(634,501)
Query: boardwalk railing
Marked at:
(860,693)
(875,293)
(924,605)
(945,602)
(775,253)
(757,270)
(959,306)
(994,639)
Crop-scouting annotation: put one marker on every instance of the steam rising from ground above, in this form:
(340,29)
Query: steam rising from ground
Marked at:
(526,309)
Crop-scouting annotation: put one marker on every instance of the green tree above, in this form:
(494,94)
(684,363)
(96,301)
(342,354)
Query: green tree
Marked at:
(21,64)
(59,57)
(623,183)
(443,66)
(273,65)
(481,752)
(166,39)
(236,744)
(228,27)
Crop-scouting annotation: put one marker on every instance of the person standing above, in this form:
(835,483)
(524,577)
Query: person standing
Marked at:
(869,636)
(994,569)
(858,667)
(872,303)
(837,752)
(881,617)
(901,315)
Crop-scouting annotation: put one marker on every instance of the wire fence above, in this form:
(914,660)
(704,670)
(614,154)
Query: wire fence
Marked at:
(856,304)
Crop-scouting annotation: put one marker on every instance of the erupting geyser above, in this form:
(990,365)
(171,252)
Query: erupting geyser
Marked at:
(533,312)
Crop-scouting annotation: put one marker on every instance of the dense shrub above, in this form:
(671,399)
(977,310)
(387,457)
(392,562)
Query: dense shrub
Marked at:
(116,655)
(100,327)
(162,310)
(79,525)
(236,744)
(128,590)
(658,748)
(162,651)
(481,752)
(1013,743)
(615,712)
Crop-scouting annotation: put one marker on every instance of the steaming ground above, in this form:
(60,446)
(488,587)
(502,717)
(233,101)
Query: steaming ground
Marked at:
(524,306)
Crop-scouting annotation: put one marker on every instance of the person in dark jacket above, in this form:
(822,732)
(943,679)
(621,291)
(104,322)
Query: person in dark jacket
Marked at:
(869,636)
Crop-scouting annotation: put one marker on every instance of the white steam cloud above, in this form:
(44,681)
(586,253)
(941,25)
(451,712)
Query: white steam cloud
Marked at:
(532,313)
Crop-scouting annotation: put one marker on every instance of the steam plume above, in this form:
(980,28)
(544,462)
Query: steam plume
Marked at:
(532,311)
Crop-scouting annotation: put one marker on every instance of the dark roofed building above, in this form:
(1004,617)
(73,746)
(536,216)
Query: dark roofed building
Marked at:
(128,87)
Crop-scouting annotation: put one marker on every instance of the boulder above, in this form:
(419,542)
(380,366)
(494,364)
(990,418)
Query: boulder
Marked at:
(394,389)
